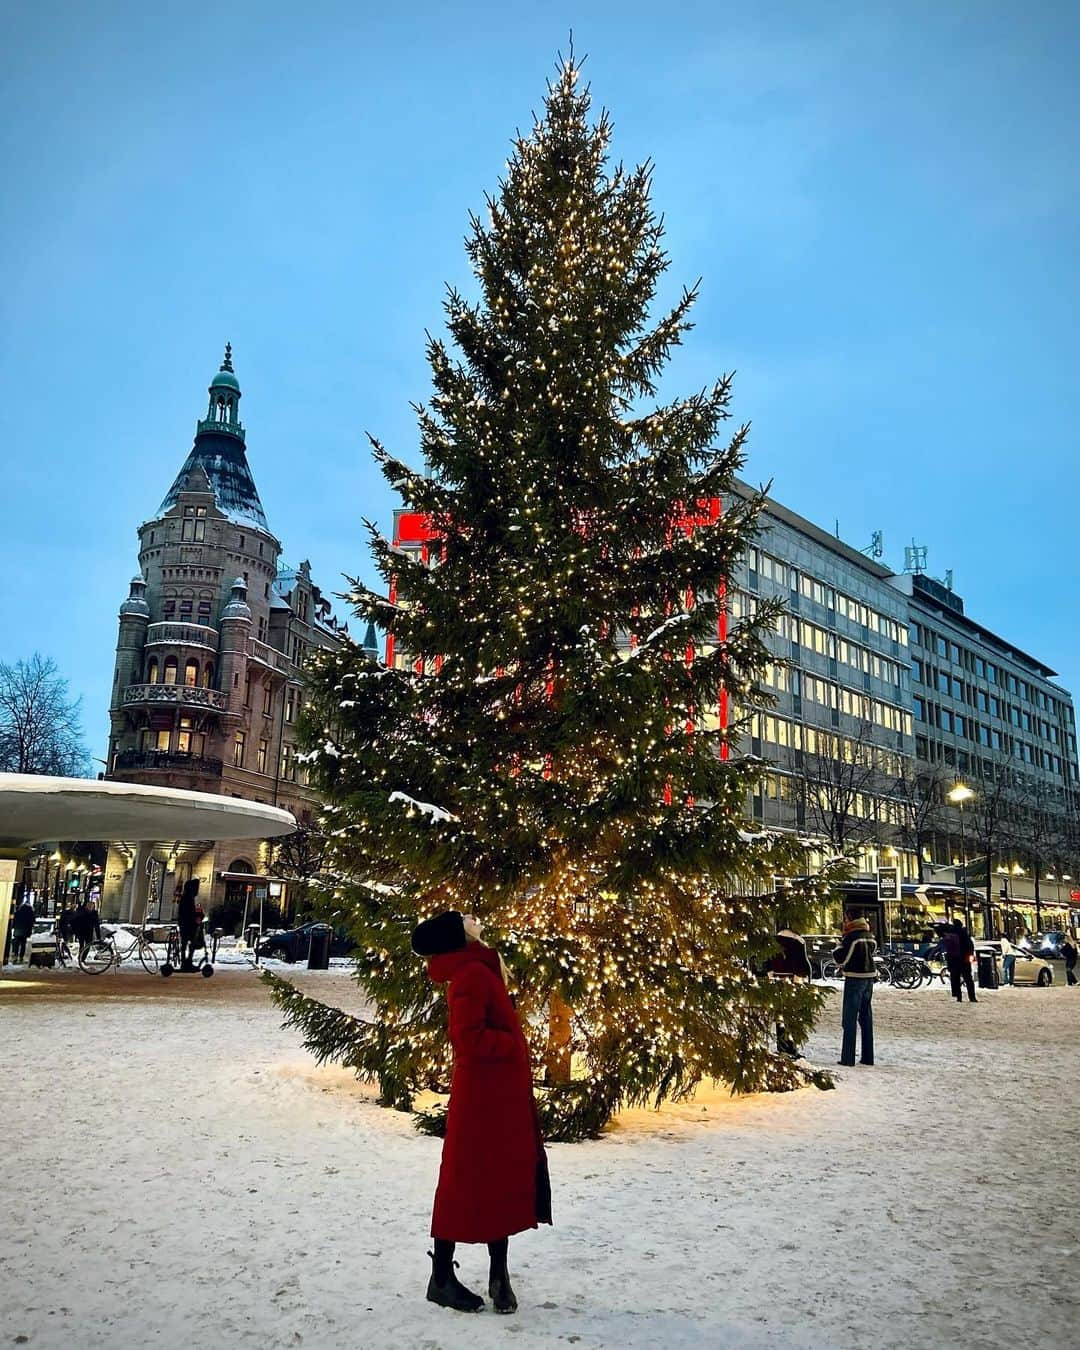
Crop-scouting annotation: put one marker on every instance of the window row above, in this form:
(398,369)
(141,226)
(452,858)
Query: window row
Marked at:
(982,669)
(922,672)
(168,672)
(291,768)
(183,740)
(762,564)
(779,731)
(851,702)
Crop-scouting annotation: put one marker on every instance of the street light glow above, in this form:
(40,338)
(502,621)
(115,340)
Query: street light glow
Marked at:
(959,794)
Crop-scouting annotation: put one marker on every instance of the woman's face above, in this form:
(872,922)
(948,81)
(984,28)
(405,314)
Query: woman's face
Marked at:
(472,927)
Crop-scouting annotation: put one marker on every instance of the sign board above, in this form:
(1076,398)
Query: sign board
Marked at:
(888,883)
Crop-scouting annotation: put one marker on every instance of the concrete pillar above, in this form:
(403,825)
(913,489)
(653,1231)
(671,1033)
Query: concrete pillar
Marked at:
(11,870)
(140,883)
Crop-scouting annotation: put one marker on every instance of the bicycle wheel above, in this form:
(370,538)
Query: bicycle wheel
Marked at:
(97,958)
(148,957)
(906,975)
(830,970)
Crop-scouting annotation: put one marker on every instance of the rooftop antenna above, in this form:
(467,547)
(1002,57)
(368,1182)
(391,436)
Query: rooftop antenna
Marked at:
(948,579)
(915,558)
(876,547)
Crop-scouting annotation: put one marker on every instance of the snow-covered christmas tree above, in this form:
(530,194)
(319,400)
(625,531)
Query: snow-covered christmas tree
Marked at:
(551,755)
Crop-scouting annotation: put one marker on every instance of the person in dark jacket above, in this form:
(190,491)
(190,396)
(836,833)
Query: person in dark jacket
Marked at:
(1069,952)
(493,1179)
(855,957)
(959,952)
(187,920)
(22,925)
(790,962)
(86,924)
(64,924)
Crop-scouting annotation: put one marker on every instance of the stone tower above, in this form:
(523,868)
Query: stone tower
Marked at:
(208,682)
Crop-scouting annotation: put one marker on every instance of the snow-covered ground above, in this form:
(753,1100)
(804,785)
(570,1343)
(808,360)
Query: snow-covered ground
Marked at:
(177,1172)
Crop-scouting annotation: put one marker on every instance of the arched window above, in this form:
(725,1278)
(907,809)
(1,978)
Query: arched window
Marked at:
(152,671)
(191,672)
(208,675)
(169,675)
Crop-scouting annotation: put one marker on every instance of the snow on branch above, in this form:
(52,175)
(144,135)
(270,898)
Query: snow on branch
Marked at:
(424,808)
(676,619)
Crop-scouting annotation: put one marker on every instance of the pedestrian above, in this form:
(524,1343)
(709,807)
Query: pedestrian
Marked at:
(493,1179)
(1069,952)
(64,924)
(22,925)
(187,920)
(959,953)
(855,957)
(1009,953)
(792,963)
(86,925)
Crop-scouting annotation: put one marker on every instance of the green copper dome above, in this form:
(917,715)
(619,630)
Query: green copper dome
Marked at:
(225,379)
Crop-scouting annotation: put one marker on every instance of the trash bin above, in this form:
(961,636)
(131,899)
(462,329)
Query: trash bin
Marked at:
(989,976)
(319,951)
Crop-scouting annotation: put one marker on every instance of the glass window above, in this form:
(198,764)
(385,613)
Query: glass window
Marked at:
(169,676)
(262,756)
(191,673)
(152,671)
(238,749)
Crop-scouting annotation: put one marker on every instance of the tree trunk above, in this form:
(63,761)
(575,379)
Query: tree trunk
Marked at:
(557,1058)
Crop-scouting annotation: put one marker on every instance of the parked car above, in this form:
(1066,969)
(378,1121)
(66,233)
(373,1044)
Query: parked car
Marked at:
(41,944)
(292,944)
(1029,969)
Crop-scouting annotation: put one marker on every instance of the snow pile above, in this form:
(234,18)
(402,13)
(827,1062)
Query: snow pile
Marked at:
(179,1172)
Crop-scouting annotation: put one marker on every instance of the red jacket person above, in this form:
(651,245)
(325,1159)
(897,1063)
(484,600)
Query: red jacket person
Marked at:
(493,1179)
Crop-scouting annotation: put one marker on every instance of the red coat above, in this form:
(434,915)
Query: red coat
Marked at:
(493,1177)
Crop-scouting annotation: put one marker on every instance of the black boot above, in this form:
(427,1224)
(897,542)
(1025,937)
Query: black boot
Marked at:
(500,1291)
(444,1287)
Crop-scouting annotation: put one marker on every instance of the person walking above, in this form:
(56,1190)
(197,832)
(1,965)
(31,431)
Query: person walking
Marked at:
(22,925)
(792,963)
(855,957)
(1009,953)
(493,1178)
(86,925)
(959,952)
(1069,952)
(187,920)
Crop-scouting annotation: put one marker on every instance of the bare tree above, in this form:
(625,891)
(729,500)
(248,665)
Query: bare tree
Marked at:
(839,778)
(918,792)
(990,816)
(299,858)
(1039,828)
(40,723)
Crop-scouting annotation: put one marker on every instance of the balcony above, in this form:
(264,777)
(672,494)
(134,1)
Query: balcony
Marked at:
(268,656)
(166,760)
(176,695)
(217,427)
(183,635)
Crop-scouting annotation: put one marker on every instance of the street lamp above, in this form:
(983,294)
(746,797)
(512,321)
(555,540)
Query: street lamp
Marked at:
(958,795)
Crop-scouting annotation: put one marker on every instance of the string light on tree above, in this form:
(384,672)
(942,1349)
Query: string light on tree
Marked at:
(542,757)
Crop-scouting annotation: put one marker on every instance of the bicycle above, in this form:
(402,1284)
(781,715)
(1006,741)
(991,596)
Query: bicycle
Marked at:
(100,956)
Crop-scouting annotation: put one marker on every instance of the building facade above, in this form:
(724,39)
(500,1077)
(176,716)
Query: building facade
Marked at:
(991,718)
(208,682)
(839,739)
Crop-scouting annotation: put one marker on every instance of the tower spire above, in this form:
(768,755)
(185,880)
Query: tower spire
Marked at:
(227,363)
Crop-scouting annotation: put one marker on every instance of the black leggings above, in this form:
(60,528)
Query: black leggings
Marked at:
(443,1260)
(958,974)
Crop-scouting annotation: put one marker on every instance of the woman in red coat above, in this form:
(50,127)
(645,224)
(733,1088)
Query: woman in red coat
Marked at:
(493,1177)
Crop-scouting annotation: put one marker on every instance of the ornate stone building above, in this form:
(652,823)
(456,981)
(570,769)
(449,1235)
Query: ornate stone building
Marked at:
(208,683)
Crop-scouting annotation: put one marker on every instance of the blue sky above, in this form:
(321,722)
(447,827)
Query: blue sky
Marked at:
(881,200)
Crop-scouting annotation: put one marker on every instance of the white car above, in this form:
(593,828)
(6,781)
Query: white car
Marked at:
(1029,969)
(41,944)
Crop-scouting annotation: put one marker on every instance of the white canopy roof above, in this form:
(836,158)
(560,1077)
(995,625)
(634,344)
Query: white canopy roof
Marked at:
(34,809)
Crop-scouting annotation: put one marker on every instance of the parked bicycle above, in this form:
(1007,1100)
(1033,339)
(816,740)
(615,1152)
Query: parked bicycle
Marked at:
(104,954)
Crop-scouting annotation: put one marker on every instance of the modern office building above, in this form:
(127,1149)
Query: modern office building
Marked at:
(208,683)
(991,718)
(839,738)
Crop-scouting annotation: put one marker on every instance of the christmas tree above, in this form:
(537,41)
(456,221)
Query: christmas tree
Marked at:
(552,755)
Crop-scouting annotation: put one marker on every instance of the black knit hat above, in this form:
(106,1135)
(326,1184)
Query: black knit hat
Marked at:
(442,933)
